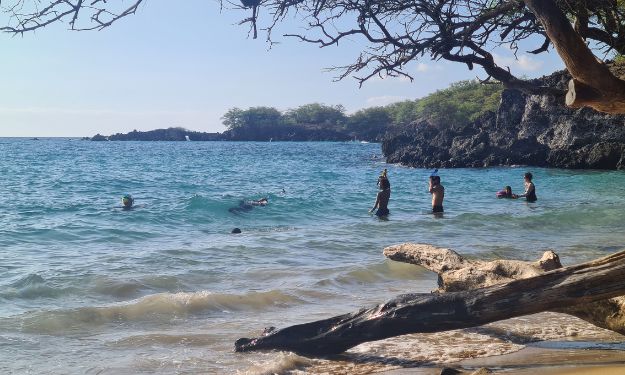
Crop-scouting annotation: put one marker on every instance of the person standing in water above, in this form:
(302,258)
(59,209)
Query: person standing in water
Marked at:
(384,195)
(530,189)
(438,194)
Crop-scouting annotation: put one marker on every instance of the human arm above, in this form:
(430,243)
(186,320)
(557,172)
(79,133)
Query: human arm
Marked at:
(528,190)
(376,204)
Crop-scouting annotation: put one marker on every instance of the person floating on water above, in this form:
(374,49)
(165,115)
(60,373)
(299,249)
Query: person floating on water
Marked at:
(260,202)
(438,193)
(506,193)
(384,195)
(127,202)
(530,189)
(248,205)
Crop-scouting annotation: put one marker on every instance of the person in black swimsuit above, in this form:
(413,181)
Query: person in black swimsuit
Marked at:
(530,189)
(384,195)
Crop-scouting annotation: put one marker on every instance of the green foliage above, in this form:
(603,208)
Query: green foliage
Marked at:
(461,103)
(255,117)
(369,121)
(316,114)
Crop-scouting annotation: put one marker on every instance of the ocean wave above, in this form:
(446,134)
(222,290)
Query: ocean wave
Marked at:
(157,307)
(377,272)
(31,287)
(282,363)
(191,339)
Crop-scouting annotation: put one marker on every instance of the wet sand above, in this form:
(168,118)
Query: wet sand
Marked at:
(533,361)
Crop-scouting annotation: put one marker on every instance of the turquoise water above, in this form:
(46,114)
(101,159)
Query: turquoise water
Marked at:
(165,288)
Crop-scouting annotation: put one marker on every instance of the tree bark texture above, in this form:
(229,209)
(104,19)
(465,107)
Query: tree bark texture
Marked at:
(593,85)
(456,273)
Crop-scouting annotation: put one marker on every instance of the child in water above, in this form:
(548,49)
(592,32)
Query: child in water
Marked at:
(384,195)
(505,193)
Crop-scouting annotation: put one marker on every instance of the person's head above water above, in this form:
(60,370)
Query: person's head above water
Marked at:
(127,201)
(385,184)
(436,180)
(383,175)
(508,190)
(528,176)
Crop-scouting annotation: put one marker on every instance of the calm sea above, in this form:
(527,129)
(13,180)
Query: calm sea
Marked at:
(86,287)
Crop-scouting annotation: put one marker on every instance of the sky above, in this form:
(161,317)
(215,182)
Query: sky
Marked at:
(185,65)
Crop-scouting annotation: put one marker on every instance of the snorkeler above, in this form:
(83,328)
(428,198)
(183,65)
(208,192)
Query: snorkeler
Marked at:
(260,202)
(384,195)
(127,202)
(438,193)
(248,205)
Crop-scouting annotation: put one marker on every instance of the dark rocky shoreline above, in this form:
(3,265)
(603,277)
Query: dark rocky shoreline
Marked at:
(295,134)
(526,129)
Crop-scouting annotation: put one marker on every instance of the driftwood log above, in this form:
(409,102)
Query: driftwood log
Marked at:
(541,286)
(457,273)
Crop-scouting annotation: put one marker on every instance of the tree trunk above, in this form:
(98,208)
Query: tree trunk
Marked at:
(593,85)
(416,313)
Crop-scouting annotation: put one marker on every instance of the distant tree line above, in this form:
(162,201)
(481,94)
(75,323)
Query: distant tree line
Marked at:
(457,105)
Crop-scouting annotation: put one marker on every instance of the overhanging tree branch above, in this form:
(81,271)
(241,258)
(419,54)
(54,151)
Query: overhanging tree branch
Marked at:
(593,84)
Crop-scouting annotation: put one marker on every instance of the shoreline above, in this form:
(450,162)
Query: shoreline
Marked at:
(532,360)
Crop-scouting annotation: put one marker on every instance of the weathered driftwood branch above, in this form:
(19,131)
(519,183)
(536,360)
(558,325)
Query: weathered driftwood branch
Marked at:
(414,313)
(593,85)
(456,273)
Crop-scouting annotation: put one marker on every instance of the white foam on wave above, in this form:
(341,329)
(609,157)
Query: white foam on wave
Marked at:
(157,307)
(281,363)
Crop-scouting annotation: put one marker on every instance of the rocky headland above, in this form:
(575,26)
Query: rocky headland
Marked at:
(282,133)
(525,130)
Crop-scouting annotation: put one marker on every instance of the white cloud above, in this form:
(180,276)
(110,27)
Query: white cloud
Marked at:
(377,101)
(428,68)
(421,67)
(523,62)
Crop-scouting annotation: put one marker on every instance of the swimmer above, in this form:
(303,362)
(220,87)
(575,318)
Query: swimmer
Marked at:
(384,195)
(127,202)
(248,205)
(260,202)
(506,193)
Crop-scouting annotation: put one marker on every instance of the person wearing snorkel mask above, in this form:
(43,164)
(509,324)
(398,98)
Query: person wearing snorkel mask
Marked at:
(127,202)
(384,195)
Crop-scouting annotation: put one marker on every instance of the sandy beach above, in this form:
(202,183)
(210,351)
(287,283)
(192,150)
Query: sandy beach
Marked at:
(537,361)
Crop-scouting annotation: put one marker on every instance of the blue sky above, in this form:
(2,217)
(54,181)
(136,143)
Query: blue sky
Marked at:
(186,66)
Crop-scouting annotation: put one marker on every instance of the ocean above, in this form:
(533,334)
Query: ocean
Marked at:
(86,287)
